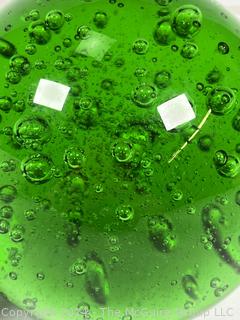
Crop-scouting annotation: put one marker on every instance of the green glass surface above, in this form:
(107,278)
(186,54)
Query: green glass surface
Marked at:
(104,213)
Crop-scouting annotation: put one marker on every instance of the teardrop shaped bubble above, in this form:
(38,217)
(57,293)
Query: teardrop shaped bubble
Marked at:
(221,101)
(96,280)
(7,49)
(20,64)
(39,32)
(190,286)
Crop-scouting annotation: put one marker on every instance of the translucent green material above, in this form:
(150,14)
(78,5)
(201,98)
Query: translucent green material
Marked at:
(104,213)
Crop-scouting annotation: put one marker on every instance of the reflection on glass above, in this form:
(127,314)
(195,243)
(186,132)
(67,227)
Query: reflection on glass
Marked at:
(96,45)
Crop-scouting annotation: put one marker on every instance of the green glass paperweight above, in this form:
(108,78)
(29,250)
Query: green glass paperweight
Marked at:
(119,158)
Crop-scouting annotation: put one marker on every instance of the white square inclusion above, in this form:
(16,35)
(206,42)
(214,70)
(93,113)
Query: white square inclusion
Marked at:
(51,94)
(176,112)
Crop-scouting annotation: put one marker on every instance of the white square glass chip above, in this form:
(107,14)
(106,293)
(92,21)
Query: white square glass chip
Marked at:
(51,94)
(176,112)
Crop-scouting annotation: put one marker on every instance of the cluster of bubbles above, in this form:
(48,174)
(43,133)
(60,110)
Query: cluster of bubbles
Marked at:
(214,220)
(8,194)
(221,100)
(161,233)
(85,111)
(215,284)
(128,153)
(100,20)
(30,303)
(6,213)
(32,132)
(227,165)
(19,66)
(114,248)
(207,240)
(40,30)
(14,257)
(185,22)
